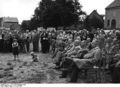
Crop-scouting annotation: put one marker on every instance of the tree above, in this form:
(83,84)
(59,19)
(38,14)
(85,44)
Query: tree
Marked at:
(57,13)
(25,25)
(34,24)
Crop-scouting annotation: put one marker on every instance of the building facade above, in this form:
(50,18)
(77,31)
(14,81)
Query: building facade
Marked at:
(9,23)
(112,16)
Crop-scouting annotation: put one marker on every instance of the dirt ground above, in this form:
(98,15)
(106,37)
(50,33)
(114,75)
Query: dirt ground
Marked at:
(25,71)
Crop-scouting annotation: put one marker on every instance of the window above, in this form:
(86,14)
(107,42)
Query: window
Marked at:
(113,23)
(108,23)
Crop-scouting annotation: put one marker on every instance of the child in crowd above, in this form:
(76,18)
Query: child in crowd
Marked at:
(34,57)
(15,49)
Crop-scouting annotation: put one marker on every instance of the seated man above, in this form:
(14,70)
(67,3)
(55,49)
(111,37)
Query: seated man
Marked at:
(92,56)
(58,52)
(115,67)
(67,52)
(69,45)
(78,52)
(60,45)
(75,49)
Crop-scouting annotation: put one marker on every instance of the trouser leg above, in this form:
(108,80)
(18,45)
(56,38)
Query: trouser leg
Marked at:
(28,45)
(115,75)
(67,66)
(74,74)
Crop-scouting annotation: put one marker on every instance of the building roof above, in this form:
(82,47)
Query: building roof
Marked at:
(94,20)
(10,19)
(95,14)
(115,3)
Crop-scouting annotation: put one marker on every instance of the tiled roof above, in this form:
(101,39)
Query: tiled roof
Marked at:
(10,19)
(115,3)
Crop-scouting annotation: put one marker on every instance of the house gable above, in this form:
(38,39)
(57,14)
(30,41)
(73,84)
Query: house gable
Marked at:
(114,4)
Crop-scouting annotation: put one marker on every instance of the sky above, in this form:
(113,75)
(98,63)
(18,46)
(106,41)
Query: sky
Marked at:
(24,9)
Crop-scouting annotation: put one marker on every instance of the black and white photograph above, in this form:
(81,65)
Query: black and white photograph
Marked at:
(59,42)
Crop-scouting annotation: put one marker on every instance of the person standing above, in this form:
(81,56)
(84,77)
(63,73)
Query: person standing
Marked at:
(44,42)
(36,41)
(15,48)
(27,41)
(2,43)
(48,41)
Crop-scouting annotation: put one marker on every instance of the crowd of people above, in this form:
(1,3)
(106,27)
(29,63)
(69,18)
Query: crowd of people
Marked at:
(16,41)
(71,50)
(82,49)
(23,38)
